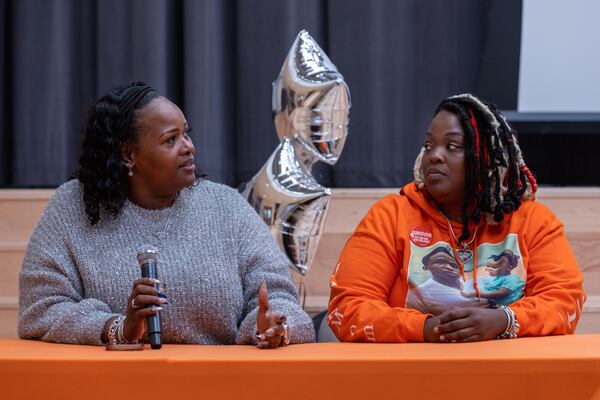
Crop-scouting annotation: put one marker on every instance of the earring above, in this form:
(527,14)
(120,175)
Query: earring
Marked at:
(130,169)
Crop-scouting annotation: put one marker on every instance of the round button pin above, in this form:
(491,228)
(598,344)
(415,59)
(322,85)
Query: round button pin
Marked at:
(421,236)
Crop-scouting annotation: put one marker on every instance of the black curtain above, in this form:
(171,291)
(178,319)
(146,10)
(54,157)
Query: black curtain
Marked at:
(217,59)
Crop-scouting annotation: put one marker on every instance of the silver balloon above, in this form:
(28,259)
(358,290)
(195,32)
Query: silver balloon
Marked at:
(311,104)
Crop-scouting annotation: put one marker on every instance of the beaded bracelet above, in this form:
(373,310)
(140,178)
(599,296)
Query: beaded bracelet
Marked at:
(113,329)
(120,336)
(512,326)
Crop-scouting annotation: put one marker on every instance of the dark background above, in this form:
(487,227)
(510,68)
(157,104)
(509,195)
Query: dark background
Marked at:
(217,58)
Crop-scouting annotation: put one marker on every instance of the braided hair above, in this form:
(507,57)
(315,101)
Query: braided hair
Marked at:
(111,123)
(496,177)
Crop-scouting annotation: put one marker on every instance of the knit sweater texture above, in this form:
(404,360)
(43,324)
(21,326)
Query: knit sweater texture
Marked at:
(214,253)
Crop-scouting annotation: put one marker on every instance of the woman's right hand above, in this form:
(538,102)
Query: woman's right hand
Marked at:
(144,293)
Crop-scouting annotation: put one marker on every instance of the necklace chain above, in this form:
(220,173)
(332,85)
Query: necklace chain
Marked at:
(462,243)
(160,234)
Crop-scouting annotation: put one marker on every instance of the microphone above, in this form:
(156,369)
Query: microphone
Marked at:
(147,257)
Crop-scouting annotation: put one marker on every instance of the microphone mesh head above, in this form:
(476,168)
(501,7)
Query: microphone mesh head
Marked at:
(147,253)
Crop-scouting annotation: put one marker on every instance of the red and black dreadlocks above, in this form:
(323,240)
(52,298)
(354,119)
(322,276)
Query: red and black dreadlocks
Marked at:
(496,177)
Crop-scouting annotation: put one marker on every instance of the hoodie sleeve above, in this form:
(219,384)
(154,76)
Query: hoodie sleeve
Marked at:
(368,268)
(554,294)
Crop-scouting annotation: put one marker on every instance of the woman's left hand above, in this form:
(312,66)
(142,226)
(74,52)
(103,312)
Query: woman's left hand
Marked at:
(470,324)
(269,323)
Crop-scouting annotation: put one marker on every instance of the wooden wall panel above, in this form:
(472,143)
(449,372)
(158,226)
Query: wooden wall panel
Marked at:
(10,265)
(8,319)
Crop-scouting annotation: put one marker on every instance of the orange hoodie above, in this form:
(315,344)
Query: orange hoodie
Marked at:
(385,284)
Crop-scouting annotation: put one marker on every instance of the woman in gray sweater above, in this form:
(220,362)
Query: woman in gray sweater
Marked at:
(80,281)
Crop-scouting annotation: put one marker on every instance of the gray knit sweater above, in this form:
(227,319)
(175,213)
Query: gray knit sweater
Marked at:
(214,253)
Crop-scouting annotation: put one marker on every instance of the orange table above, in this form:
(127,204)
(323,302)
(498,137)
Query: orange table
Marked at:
(562,367)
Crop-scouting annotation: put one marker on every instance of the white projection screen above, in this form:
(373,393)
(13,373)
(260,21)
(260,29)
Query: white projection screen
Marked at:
(560,56)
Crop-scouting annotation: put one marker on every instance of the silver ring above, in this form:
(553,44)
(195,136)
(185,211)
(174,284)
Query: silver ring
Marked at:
(133,305)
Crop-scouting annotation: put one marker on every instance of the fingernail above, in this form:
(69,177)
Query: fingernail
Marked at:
(261,336)
(157,308)
(436,330)
(453,341)
(155,280)
(442,338)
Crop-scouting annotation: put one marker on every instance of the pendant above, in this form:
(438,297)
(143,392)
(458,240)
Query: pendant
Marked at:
(464,255)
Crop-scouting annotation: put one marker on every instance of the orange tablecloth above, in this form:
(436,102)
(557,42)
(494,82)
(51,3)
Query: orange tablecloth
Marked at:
(564,367)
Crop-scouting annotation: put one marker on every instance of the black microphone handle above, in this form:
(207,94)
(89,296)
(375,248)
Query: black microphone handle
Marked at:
(153,330)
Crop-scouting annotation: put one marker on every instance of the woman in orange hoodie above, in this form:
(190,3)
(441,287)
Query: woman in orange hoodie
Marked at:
(416,267)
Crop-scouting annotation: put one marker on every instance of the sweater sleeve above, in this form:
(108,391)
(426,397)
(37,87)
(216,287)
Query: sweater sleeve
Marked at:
(554,294)
(367,270)
(52,305)
(261,260)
